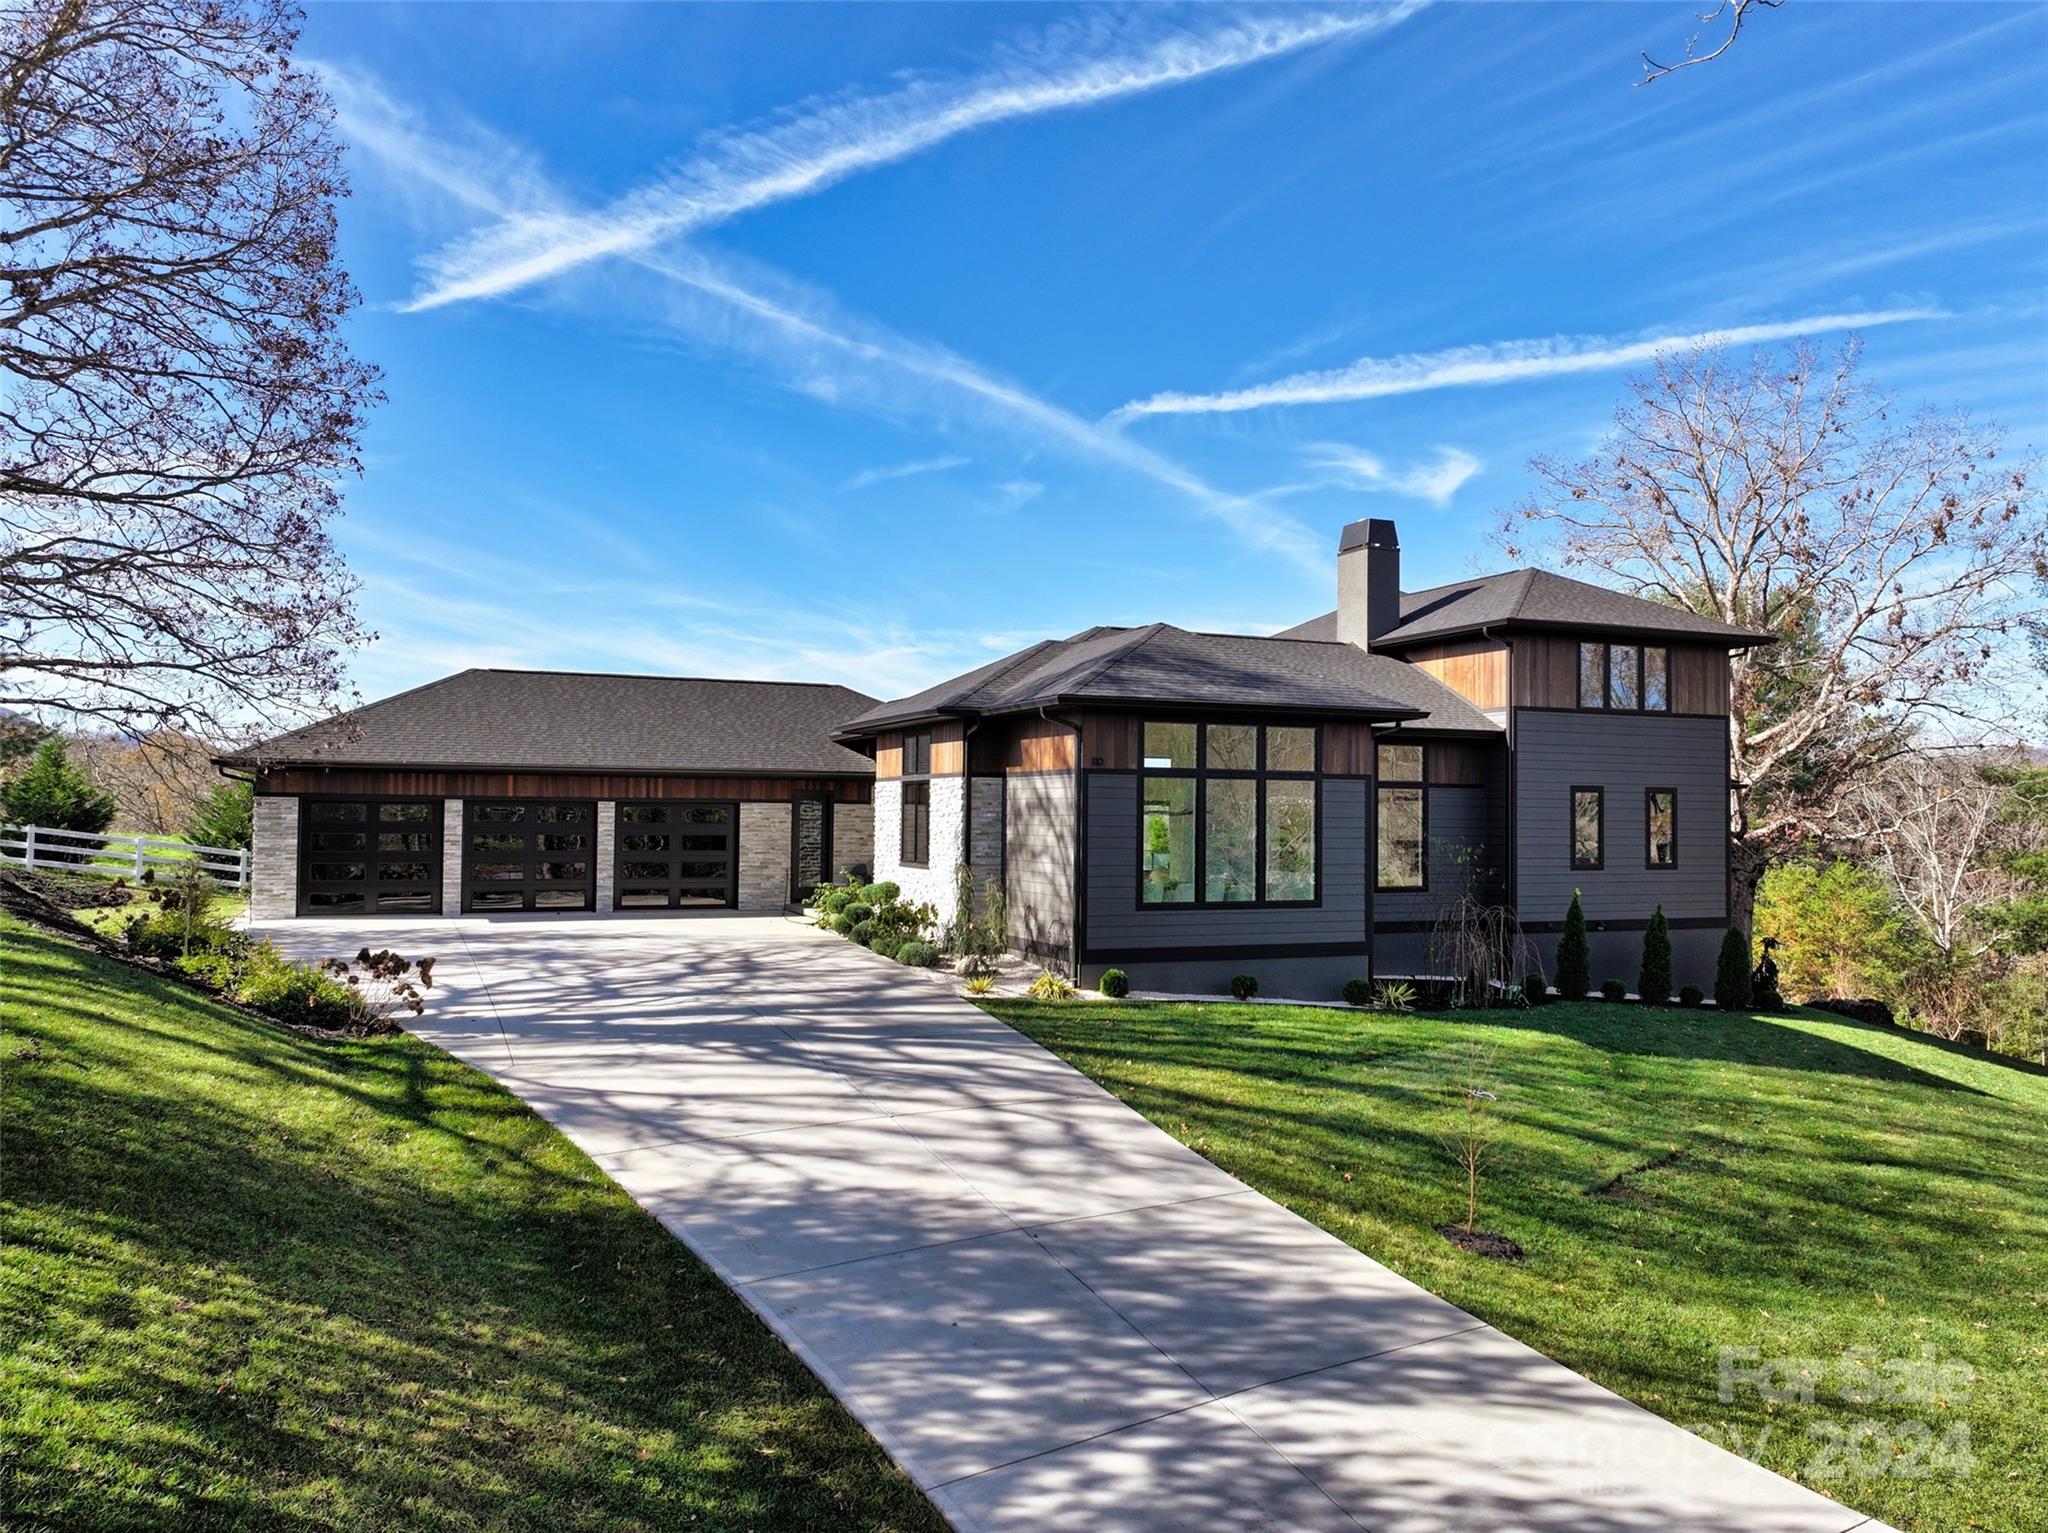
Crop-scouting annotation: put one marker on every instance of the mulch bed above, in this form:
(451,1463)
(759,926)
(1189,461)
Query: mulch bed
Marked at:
(1481,1242)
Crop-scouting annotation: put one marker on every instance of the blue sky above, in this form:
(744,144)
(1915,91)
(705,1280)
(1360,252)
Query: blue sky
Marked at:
(864,343)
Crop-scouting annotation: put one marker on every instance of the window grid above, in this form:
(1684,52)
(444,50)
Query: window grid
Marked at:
(1223,755)
(914,827)
(1624,678)
(1401,798)
(1660,828)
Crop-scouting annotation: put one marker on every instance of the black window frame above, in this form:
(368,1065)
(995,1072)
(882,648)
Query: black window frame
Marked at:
(914,800)
(1642,677)
(1571,828)
(1649,802)
(1419,785)
(1259,775)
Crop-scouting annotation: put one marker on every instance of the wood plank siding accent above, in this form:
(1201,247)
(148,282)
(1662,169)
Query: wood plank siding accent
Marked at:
(1347,750)
(1039,745)
(949,750)
(1111,739)
(1456,763)
(1545,674)
(1475,669)
(375,782)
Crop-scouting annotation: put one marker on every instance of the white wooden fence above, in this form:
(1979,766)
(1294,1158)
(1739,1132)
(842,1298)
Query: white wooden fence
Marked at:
(76,851)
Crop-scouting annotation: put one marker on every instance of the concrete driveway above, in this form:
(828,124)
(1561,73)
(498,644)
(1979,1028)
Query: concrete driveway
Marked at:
(1052,1314)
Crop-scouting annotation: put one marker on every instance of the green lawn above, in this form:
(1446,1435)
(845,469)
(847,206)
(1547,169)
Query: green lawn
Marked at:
(251,1279)
(1682,1181)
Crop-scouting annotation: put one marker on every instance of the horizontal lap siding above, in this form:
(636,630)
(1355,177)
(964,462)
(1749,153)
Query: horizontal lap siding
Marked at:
(1625,754)
(1464,844)
(1116,923)
(1038,861)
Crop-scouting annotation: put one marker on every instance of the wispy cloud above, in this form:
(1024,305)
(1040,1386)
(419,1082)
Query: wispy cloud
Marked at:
(867,478)
(819,144)
(1435,482)
(1018,492)
(1504,362)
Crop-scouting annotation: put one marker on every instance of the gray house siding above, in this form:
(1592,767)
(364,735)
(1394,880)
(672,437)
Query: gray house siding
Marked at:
(1625,755)
(1039,810)
(1117,925)
(1463,847)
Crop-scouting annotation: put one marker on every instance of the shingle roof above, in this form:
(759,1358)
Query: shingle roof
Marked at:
(1532,599)
(570,721)
(1161,664)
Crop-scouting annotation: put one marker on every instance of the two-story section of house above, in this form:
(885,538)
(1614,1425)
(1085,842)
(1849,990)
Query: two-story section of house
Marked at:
(1188,806)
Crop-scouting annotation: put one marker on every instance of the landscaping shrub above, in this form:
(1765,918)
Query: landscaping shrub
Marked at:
(224,817)
(1244,986)
(1614,989)
(1653,981)
(840,924)
(1691,995)
(164,934)
(51,791)
(292,992)
(863,932)
(1534,988)
(880,894)
(858,911)
(1357,992)
(1763,980)
(1394,995)
(980,984)
(1574,954)
(918,955)
(1868,1009)
(1051,987)
(884,943)
(1731,973)
(1115,984)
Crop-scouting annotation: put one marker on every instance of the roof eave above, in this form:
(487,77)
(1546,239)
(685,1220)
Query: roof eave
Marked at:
(329,763)
(1739,639)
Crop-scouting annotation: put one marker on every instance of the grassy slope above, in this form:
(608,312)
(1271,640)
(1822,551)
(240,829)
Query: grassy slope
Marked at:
(258,1280)
(1811,1185)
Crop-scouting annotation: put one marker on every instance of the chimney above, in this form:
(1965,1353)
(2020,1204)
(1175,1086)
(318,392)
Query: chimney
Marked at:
(1368,581)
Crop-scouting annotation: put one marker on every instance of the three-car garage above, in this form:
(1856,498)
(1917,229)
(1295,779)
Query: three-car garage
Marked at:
(536,793)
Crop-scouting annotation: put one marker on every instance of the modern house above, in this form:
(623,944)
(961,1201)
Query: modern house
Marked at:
(1183,806)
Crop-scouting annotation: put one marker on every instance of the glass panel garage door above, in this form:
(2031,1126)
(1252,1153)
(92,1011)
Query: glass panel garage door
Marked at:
(369,856)
(675,856)
(528,854)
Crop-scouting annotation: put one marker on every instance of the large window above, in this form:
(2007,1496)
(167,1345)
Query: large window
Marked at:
(1403,819)
(914,846)
(1661,817)
(1228,814)
(1589,828)
(1626,677)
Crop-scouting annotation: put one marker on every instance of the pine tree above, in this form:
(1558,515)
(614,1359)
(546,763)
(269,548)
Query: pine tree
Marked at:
(51,791)
(225,817)
(1574,956)
(1731,976)
(1653,983)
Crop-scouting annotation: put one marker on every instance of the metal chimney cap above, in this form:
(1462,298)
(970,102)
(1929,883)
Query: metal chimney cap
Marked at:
(1376,532)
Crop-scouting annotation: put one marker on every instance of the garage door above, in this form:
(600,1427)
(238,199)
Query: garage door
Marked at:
(529,854)
(675,856)
(369,856)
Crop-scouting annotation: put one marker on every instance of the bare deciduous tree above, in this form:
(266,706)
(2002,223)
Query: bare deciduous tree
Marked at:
(1934,825)
(178,401)
(1893,557)
(1736,12)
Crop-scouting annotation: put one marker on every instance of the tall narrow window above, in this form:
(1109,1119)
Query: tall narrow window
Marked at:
(1592,675)
(1662,817)
(1403,818)
(915,847)
(1588,828)
(1227,814)
(1657,680)
(1624,685)
(914,844)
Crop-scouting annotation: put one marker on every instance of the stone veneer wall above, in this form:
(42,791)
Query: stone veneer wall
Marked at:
(274,859)
(933,884)
(764,856)
(452,843)
(607,830)
(853,839)
(985,830)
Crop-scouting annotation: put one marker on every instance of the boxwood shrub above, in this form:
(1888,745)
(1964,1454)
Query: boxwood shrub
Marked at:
(1244,986)
(863,932)
(919,955)
(880,894)
(858,912)
(1358,992)
(1115,984)
(1613,989)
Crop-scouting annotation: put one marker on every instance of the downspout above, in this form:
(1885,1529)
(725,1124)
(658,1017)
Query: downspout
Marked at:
(1510,889)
